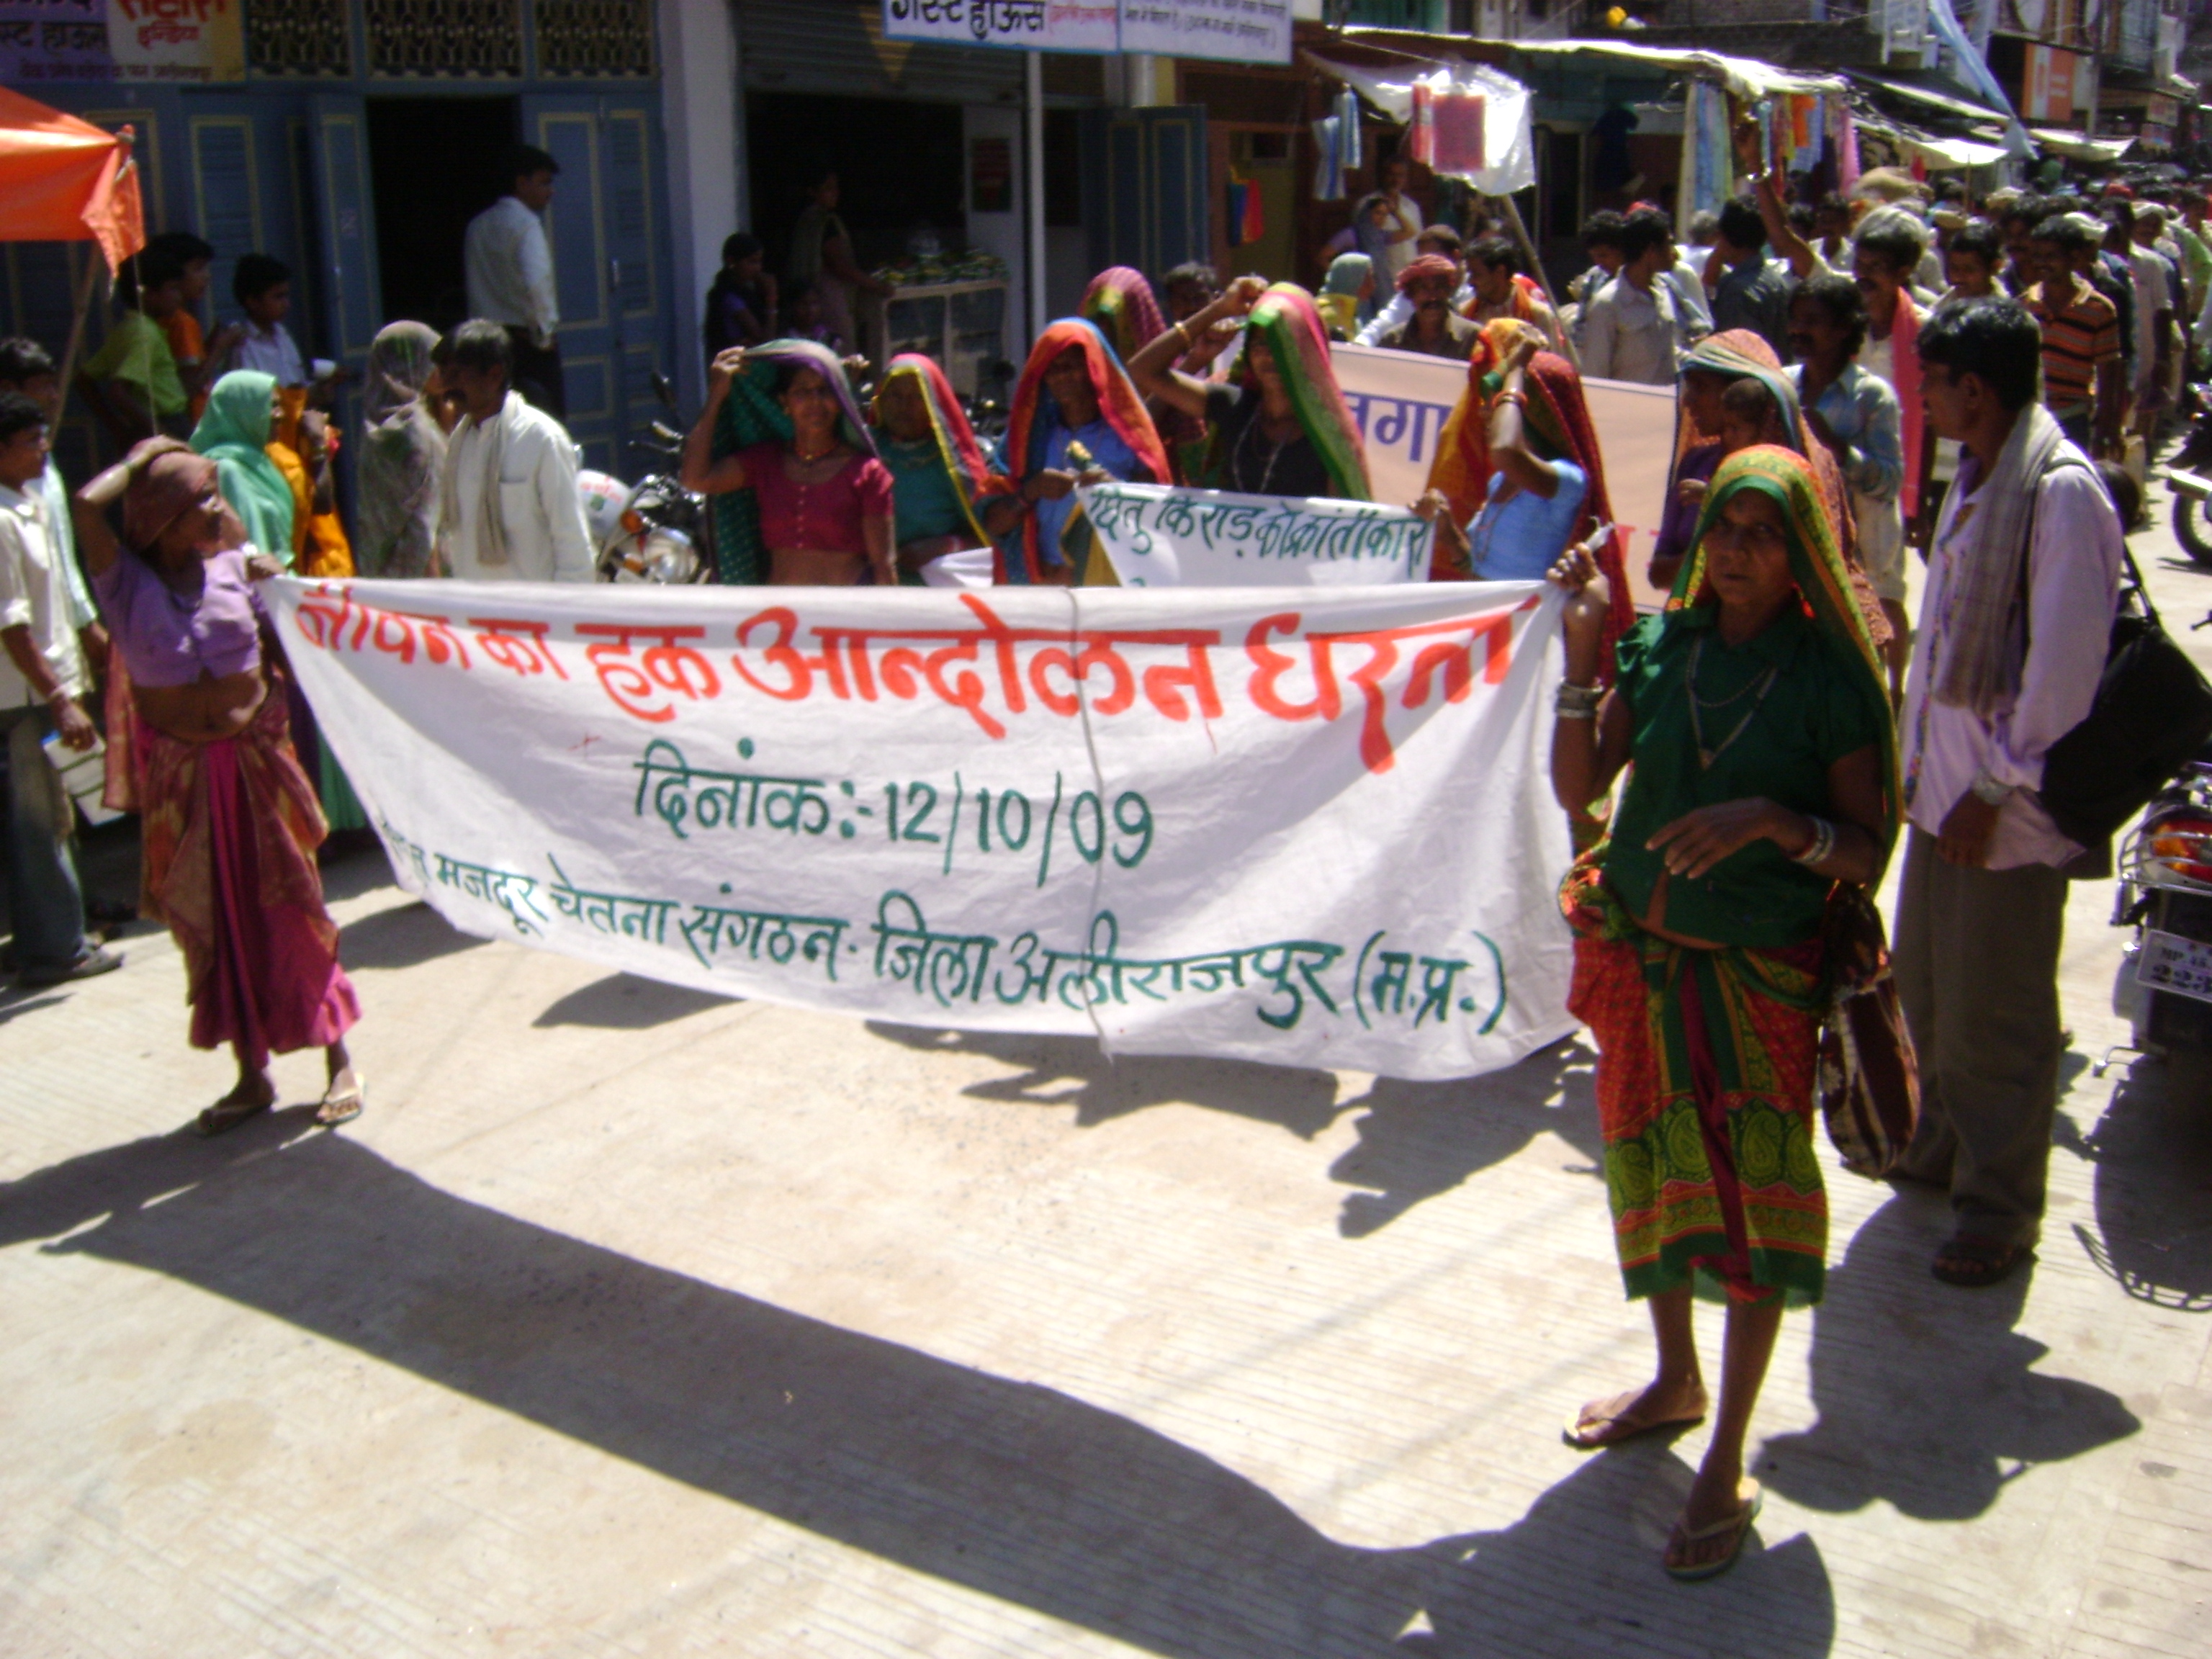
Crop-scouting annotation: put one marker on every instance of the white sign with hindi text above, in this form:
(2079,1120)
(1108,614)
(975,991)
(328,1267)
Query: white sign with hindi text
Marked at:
(1166,536)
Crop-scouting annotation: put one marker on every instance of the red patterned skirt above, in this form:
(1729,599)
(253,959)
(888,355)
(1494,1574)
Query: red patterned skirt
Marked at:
(1705,1100)
(229,831)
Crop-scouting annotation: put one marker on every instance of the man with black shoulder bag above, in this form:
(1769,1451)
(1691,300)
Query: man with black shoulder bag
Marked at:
(2024,579)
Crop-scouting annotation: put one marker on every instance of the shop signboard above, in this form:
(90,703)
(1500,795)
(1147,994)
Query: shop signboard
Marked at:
(129,40)
(1241,31)
(2047,86)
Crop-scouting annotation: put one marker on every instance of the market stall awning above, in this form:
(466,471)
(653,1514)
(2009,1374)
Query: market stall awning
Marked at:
(2079,147)
(1746,77)
(65,180)
(1927,96)
(1936,151)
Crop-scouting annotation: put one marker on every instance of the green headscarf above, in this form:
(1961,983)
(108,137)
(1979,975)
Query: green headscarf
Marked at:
(1285,325)
(1816,563)
(233,434)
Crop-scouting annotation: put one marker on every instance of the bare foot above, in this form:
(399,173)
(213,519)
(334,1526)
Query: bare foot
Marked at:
(253,1096)
(1622,1417)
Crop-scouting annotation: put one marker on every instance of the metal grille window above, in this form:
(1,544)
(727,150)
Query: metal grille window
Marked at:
(599,37)
(445,37)
(298,37)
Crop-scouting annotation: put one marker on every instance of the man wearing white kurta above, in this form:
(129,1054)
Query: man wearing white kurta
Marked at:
(508,266)
(511,509)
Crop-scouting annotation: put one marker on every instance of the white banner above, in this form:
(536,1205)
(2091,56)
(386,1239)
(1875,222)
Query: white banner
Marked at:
(1402,400)
(176,39)
(1241,31)
(1308,829)
(1164,536)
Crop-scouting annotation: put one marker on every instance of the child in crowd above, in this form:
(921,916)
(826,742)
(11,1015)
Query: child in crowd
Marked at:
(741,306)
(199,359)
(263,287)
(131,382)
(802,311)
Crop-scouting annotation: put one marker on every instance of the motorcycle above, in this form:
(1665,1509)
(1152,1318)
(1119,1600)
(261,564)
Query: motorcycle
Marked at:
(2164,988)
(654,531)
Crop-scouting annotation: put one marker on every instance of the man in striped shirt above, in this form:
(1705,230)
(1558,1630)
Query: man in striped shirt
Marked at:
(2082,373)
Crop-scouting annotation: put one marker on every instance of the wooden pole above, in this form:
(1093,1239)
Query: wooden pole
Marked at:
(84,291)
(1529,250)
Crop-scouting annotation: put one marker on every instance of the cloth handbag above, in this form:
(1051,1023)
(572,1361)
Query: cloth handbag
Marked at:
(2153,713)
(1867,1076)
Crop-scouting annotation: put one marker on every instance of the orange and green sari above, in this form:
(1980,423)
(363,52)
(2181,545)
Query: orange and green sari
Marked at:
(1707,1058)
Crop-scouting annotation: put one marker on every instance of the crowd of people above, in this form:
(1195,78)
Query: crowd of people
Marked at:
(1856,380)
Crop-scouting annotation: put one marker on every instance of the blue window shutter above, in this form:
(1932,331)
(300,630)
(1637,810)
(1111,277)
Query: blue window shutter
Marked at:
(629,207)
(224,196)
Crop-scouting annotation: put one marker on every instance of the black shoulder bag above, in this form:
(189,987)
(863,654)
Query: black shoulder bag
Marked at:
(2151,713)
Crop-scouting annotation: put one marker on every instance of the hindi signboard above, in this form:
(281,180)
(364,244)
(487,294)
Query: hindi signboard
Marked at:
(64,42)
(1241,31)
(1308,828)
(1164,536)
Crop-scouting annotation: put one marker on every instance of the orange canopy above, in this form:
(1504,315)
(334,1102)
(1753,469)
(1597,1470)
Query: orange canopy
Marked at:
(65,180)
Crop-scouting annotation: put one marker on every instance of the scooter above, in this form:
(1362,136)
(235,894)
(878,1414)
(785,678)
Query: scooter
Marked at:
(651,531)
(2164,989)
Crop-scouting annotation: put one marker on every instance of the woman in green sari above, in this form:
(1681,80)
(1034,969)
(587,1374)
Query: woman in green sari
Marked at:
(233,434)
(1755,718)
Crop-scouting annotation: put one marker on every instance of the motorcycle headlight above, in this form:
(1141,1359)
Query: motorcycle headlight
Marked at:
(668,556)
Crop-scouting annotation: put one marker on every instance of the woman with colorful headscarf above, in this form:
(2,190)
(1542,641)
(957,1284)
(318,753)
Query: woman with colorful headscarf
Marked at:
(402,451)
(1346,300)
(938,471)
(1521,442)
(1122,302)
(230,823)
(1072,396)
(1754,723)
(1280,428)
(801,497)
(233,434)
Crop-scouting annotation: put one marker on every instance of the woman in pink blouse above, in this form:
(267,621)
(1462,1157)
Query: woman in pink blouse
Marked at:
(823,498)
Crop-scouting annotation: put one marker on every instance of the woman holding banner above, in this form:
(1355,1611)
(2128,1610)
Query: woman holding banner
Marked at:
(231,824)
(1074,413)
(1280,427)
(1755,720)
(796,471)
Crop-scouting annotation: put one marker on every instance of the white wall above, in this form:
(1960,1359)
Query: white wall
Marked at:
(703,125)
(999,233)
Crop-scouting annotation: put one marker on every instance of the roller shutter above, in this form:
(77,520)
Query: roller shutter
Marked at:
(838,46)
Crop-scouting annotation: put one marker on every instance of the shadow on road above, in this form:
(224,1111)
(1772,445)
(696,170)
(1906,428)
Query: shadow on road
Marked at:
(1015,1490)
(2152,1152)
(405,936)
(1418,1140)
(624,1002)
(1068,1070)
(1926,1395)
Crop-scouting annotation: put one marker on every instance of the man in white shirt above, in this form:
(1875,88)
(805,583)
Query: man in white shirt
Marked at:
(1402,228)
(508,265)
(511,511)
(1982,903)
(42,675)
(1639,325)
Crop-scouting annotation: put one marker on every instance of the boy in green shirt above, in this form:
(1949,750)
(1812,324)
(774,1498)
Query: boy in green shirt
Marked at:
(131,382)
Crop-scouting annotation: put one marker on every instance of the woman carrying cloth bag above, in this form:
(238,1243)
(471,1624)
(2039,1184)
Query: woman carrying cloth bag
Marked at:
(1755,718)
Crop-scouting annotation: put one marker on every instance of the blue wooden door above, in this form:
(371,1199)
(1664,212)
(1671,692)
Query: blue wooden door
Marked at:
(610,265)
(1145,197)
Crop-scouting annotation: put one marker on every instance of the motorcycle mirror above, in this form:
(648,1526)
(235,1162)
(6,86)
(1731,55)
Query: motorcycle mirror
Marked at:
(663,391)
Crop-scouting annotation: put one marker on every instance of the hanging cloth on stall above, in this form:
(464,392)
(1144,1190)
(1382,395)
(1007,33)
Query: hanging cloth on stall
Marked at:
(1456,119)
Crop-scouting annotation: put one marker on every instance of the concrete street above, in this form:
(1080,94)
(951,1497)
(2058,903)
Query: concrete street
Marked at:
(631,1321)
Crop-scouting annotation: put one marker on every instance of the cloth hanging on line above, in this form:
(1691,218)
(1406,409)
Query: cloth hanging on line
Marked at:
(1456,120)
(1328,159)
(1347,110)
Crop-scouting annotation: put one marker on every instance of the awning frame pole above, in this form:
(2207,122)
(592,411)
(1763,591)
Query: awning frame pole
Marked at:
(1033,171)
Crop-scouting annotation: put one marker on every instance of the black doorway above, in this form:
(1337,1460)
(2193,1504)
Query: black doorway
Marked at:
(434,164)
(899,169)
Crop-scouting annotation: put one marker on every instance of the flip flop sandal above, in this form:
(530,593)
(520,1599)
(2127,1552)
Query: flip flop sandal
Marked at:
(1973,1263)
(1736,1528)
(1576,1431)
(342,1105)
(226,1114)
